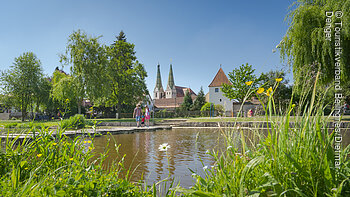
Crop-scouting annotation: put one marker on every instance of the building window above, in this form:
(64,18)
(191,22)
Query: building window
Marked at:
(156,94)
(216,89)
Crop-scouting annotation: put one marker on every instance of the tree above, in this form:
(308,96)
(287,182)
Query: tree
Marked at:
(306,44)
(283,93)
(200,100)
(87,58)
(22,81)
(125,76)
(238,77)
(187,104)
(64,89)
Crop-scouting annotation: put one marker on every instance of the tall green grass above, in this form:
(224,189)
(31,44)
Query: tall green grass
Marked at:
(292,160)
(61,166)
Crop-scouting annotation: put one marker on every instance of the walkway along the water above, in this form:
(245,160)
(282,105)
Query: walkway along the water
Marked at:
(97,132)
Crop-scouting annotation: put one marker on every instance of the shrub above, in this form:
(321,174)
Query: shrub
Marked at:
(76,122)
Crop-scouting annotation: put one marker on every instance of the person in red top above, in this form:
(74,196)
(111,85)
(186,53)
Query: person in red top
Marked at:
(137,114)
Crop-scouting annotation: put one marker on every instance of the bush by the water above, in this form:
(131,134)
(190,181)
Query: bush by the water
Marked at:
(77,121)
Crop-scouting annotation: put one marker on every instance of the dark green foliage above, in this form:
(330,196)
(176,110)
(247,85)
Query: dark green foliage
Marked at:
(200,100)
(283,93)
(238,77)
(187,104)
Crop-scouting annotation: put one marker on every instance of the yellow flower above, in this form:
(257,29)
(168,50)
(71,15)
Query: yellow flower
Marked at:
(60,179)
(293,105)
(39,155)
(90,147)
(260,90)
(26,168)
(89,141)
(267,93)
(249,83)
(71,159)
(278,79)
(54,144)
(269,90)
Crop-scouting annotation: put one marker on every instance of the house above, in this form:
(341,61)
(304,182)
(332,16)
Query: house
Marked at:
(216,95)
(173,96)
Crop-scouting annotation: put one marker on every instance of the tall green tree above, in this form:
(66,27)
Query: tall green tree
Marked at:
(64,89)
(307,45)
(22,81)
(187,104)
(238,77)
(124,74)
(200,100)
(87,58)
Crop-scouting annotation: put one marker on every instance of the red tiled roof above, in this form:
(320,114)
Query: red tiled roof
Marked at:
(219,79)
(170,102)
(180,91)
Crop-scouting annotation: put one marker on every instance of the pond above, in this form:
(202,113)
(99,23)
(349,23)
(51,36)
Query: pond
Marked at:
(188,151)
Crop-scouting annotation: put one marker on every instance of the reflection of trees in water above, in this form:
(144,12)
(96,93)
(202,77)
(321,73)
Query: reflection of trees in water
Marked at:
(185,152)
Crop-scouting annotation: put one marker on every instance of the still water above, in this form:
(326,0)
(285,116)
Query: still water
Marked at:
(188,151)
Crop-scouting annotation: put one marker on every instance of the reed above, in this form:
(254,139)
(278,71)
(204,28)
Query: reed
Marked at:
(291,160)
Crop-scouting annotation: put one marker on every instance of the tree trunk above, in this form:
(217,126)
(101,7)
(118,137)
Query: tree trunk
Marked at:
(118,109)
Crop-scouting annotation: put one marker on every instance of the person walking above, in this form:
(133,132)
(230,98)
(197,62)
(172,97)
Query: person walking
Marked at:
(147,116)
(137,114)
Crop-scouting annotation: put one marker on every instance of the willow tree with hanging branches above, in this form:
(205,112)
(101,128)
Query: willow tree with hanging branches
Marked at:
(305,47)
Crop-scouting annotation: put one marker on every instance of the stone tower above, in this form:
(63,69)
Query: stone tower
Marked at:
(170,91)
(158,90)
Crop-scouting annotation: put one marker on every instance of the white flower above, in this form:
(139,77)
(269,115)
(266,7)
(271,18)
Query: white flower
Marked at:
(229,147)
(207,152)
(194,174)
(212,166)
(205,167)
(164,147)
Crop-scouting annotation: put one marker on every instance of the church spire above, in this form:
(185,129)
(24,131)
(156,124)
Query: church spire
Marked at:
(171,83)
(159,80)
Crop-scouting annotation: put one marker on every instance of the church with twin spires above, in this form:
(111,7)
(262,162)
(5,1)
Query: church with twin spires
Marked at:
(173,96)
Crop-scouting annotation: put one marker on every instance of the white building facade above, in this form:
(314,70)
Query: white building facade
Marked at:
(216,96)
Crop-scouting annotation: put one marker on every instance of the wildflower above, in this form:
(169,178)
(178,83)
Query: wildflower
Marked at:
(194,174)
(35,175)
(279,79)
(205,168)
(89,141)
(293,105)
(90,147)
(212,166)
(229,147)
(60,179)
(39,155)
(207,152)
(260,90)
(71,159)
(26,168)
(267,94)
(164,147)
(249,83)
(54,144)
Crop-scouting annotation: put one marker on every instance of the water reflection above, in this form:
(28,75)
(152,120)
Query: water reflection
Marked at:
(188,147)
(188,151)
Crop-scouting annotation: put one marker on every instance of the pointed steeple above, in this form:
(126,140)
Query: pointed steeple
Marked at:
(171,83)
(159,79)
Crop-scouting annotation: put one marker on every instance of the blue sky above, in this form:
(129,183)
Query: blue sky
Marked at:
(196,36)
